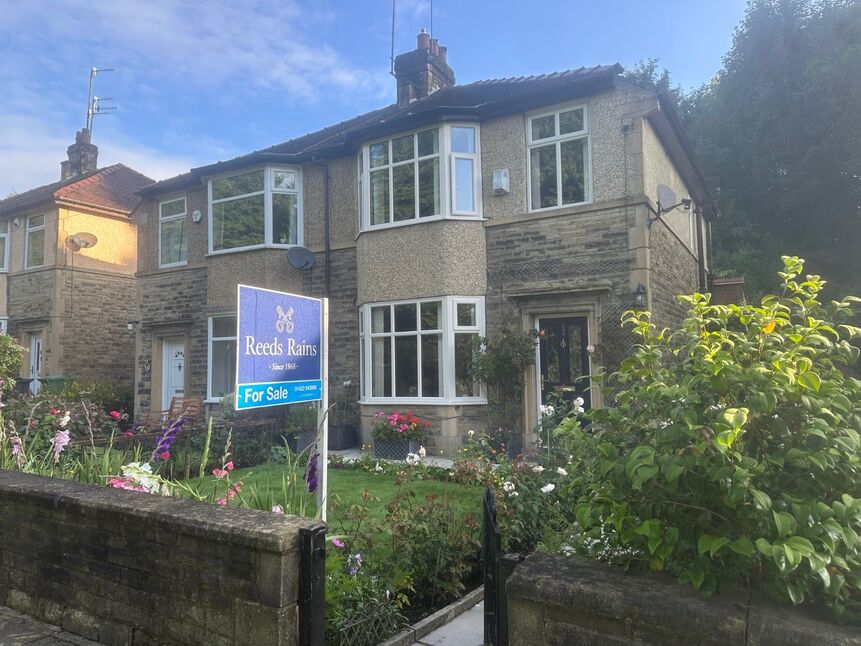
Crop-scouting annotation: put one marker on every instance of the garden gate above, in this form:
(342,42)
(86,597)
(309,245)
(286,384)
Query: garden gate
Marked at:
(497,568)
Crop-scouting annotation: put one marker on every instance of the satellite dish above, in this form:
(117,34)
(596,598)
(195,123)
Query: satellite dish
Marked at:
(81,240)
(666,197)
(300,257)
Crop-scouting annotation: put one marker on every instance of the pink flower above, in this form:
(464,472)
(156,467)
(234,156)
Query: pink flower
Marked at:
(129,434)
(219,473)
(337,542)
(229,466)
(165,455)
(221,501)
(115,414)
(61,439)
(277,509)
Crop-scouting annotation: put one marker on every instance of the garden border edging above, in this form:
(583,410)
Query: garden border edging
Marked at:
(441,617)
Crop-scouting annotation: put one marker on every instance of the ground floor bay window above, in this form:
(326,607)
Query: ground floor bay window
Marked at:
(418,351)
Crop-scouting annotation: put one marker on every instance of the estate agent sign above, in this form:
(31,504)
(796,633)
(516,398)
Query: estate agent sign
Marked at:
(279,347)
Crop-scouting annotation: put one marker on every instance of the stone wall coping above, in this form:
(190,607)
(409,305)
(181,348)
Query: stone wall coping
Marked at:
(596,589)
(258,530)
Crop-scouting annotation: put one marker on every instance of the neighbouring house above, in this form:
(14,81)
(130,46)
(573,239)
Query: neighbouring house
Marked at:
(530,202)
(68,255)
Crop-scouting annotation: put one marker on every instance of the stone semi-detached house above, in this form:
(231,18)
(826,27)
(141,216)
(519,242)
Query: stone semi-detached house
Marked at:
(68,254)
(529,202)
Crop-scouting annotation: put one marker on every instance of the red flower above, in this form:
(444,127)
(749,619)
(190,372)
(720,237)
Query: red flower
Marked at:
(165,455)
(115,414)
(129,434)
(54,411)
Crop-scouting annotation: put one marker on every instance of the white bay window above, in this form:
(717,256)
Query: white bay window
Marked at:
(559,158)
(427,174)
(257,208)
(420,350)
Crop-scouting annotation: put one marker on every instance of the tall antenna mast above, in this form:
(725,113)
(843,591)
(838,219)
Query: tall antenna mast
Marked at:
(431,18)
(392,57)
(94,107)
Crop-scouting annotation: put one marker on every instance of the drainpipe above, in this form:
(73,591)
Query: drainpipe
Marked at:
(701,251)
(327,242)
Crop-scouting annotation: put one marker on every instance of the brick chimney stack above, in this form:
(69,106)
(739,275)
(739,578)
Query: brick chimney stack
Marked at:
(83,156)
(422,71)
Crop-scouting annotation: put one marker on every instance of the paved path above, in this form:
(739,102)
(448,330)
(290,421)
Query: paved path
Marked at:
(17,629)
(466,630)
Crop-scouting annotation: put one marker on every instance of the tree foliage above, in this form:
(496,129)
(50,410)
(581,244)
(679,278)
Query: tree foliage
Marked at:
(731,451)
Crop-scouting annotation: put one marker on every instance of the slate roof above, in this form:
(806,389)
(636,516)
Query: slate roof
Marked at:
(113,187)
(482,99)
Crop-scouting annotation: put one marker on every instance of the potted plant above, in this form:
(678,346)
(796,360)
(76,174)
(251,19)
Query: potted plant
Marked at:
(343,419)
(397,434)
(300,427)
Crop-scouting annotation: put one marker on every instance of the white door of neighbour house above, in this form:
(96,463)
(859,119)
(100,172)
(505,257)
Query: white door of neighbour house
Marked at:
(35,363)
(173,370)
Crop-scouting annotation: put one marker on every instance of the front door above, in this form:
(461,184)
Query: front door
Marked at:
(564,358)
(35,363)
(173,370)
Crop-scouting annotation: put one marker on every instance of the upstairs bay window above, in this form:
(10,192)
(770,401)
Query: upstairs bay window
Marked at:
(559,164)
(413,351)
(427,174)
(258,208)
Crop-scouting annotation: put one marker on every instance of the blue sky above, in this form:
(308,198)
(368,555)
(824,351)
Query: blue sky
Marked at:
(196,81)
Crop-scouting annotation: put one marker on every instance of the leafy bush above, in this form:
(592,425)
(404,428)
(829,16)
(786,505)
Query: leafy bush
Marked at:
(10,363)
(104,394)
(730,454)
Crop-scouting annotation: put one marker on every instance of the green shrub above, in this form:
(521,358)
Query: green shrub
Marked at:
(730,454)
(10,363)
(105,394)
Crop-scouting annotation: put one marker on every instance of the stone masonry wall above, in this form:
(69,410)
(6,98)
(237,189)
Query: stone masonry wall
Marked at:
(673,272)
(96,344)
(31,295)
(556,600)
(128,568)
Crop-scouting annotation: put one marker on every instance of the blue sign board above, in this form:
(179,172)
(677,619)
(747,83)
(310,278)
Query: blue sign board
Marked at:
(279,348)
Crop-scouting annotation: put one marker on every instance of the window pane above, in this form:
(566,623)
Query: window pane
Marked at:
(36,221)
(284,180)
(431,318)
(380,319)
(403,148)
(431,365)
(464,386)
(237,185)
(428,142)
(174,207)
(173,241)
(466,315)
(573,175)
(543,127)
(3,243)
(223,367)
(380,197)
(571,121)
(381,367)
(36,248)
(285,213)
(405,317)
(463,140)
(379,154)
(463,185)
(238,223)
(406,367)
(4,226)
(543,176)
(224,326)
(404,179)
(429,187)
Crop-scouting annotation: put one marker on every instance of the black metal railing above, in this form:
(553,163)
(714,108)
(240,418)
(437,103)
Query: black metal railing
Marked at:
(312,581)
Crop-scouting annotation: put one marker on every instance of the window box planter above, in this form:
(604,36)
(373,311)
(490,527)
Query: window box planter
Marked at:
(395,449)
(342,436)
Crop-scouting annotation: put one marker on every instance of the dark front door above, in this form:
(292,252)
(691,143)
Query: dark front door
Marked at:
(564,358)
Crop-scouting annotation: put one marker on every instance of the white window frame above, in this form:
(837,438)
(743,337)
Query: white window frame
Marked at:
(268,190)
(449,328)
(4,235)
(172,218)
(27,232)
(446,170)
(557,140)
(4,324)
(209,341)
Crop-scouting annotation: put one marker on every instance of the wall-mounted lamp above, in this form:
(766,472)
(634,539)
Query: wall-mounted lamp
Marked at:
(196,216)
(131,325)
(639,297)
(17,222)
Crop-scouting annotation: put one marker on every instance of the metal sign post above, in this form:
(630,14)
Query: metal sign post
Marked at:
(323,420)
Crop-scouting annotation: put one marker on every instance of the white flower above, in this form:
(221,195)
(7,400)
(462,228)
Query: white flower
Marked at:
(561,471)
(422,452)
(538,468)
(65,420)
(547,409)
(548,488)
(413,459)
(470,433)
(514,494)
(378,468)
(590,348)
(508,486)
(347,383)
(277,509)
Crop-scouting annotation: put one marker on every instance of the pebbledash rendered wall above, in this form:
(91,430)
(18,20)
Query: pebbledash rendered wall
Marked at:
(125,568)
(555,600)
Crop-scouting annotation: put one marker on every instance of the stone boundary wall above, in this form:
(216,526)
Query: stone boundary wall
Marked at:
(127,568)
(556,600)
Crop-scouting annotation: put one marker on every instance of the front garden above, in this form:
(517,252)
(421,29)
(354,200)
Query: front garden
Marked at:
(727,458)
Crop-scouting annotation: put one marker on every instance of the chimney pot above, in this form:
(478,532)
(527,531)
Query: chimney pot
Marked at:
(435,47)
(423,40)
(442,53)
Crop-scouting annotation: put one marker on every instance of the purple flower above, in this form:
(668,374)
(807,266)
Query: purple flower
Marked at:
(354,563)
(168,435)
(61,439)
(337,542)
(311,474)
